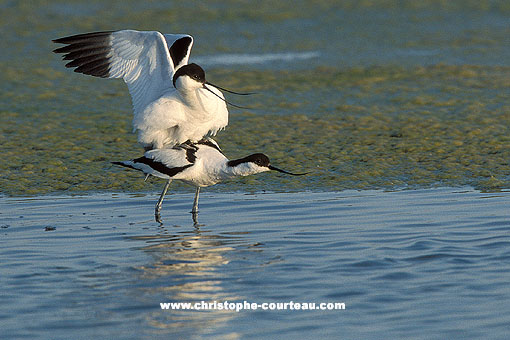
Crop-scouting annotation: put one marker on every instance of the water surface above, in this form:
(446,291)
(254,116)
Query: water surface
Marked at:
(402,262)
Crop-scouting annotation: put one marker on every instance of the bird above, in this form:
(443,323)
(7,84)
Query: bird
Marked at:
(172,101)
(200,164)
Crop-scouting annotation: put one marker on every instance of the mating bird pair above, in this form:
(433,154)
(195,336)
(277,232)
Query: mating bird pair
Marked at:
(176,110)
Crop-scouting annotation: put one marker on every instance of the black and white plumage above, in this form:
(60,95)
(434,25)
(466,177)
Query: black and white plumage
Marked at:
(172,101)
(200,164)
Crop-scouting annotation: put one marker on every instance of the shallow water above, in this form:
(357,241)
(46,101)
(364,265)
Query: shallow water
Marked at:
(402,262)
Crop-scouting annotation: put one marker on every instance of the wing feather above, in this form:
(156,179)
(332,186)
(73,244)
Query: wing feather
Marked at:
(179,48)
(142,59)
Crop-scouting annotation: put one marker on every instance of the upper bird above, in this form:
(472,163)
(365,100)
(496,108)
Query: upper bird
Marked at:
(172,101)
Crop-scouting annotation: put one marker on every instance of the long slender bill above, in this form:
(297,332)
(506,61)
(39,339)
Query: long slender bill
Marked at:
(285,172)
(230,91)
(234,105)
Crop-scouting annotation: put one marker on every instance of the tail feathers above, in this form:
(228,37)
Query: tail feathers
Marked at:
(147,170)
(127,164)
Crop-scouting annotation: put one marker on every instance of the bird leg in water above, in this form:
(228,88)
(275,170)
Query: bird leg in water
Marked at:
(195,221)
(160,202)
(195,202)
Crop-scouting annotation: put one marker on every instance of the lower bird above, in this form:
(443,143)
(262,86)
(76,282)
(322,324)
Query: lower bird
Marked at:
(200,164)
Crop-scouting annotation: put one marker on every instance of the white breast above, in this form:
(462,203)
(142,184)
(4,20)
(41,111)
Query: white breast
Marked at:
(175,118)
(209,168)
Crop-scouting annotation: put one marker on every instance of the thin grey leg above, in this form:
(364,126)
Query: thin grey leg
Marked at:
(195,202)
(160,202)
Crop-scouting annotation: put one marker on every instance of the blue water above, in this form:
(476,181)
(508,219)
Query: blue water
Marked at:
(424,264)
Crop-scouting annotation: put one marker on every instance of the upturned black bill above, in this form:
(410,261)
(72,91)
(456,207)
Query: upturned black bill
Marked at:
(285,172)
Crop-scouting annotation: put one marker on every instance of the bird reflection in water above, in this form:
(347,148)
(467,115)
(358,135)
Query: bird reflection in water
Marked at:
(186,267)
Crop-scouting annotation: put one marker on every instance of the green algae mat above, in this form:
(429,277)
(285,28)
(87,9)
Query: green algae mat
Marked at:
(353,121)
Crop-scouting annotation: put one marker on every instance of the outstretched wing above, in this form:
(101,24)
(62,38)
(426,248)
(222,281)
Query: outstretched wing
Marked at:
(142,59)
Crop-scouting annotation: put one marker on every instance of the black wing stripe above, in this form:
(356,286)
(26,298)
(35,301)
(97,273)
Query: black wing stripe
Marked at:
(190,149)
(213,145)
(160,167)
(179,50)
(190,154)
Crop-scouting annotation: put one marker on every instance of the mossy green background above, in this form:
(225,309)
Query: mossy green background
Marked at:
(379,124)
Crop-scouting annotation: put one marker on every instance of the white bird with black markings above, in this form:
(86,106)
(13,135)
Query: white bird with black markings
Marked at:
(172,101)
(200,164)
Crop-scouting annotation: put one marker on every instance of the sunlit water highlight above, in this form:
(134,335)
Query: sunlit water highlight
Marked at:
(248,59)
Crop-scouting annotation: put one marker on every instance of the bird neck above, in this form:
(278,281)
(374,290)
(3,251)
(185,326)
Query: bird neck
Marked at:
(189,91)
(190,97)
(242,169)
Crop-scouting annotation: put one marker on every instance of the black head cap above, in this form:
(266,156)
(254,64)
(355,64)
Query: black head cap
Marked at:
(261,160)
(192,70)
(258,158)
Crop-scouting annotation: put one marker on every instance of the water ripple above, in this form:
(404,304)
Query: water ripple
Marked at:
(401,261)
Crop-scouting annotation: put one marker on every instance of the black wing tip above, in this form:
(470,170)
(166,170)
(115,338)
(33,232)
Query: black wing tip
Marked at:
(77,37)
(87,53)
(91,69)
(124,164)
(63,49)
